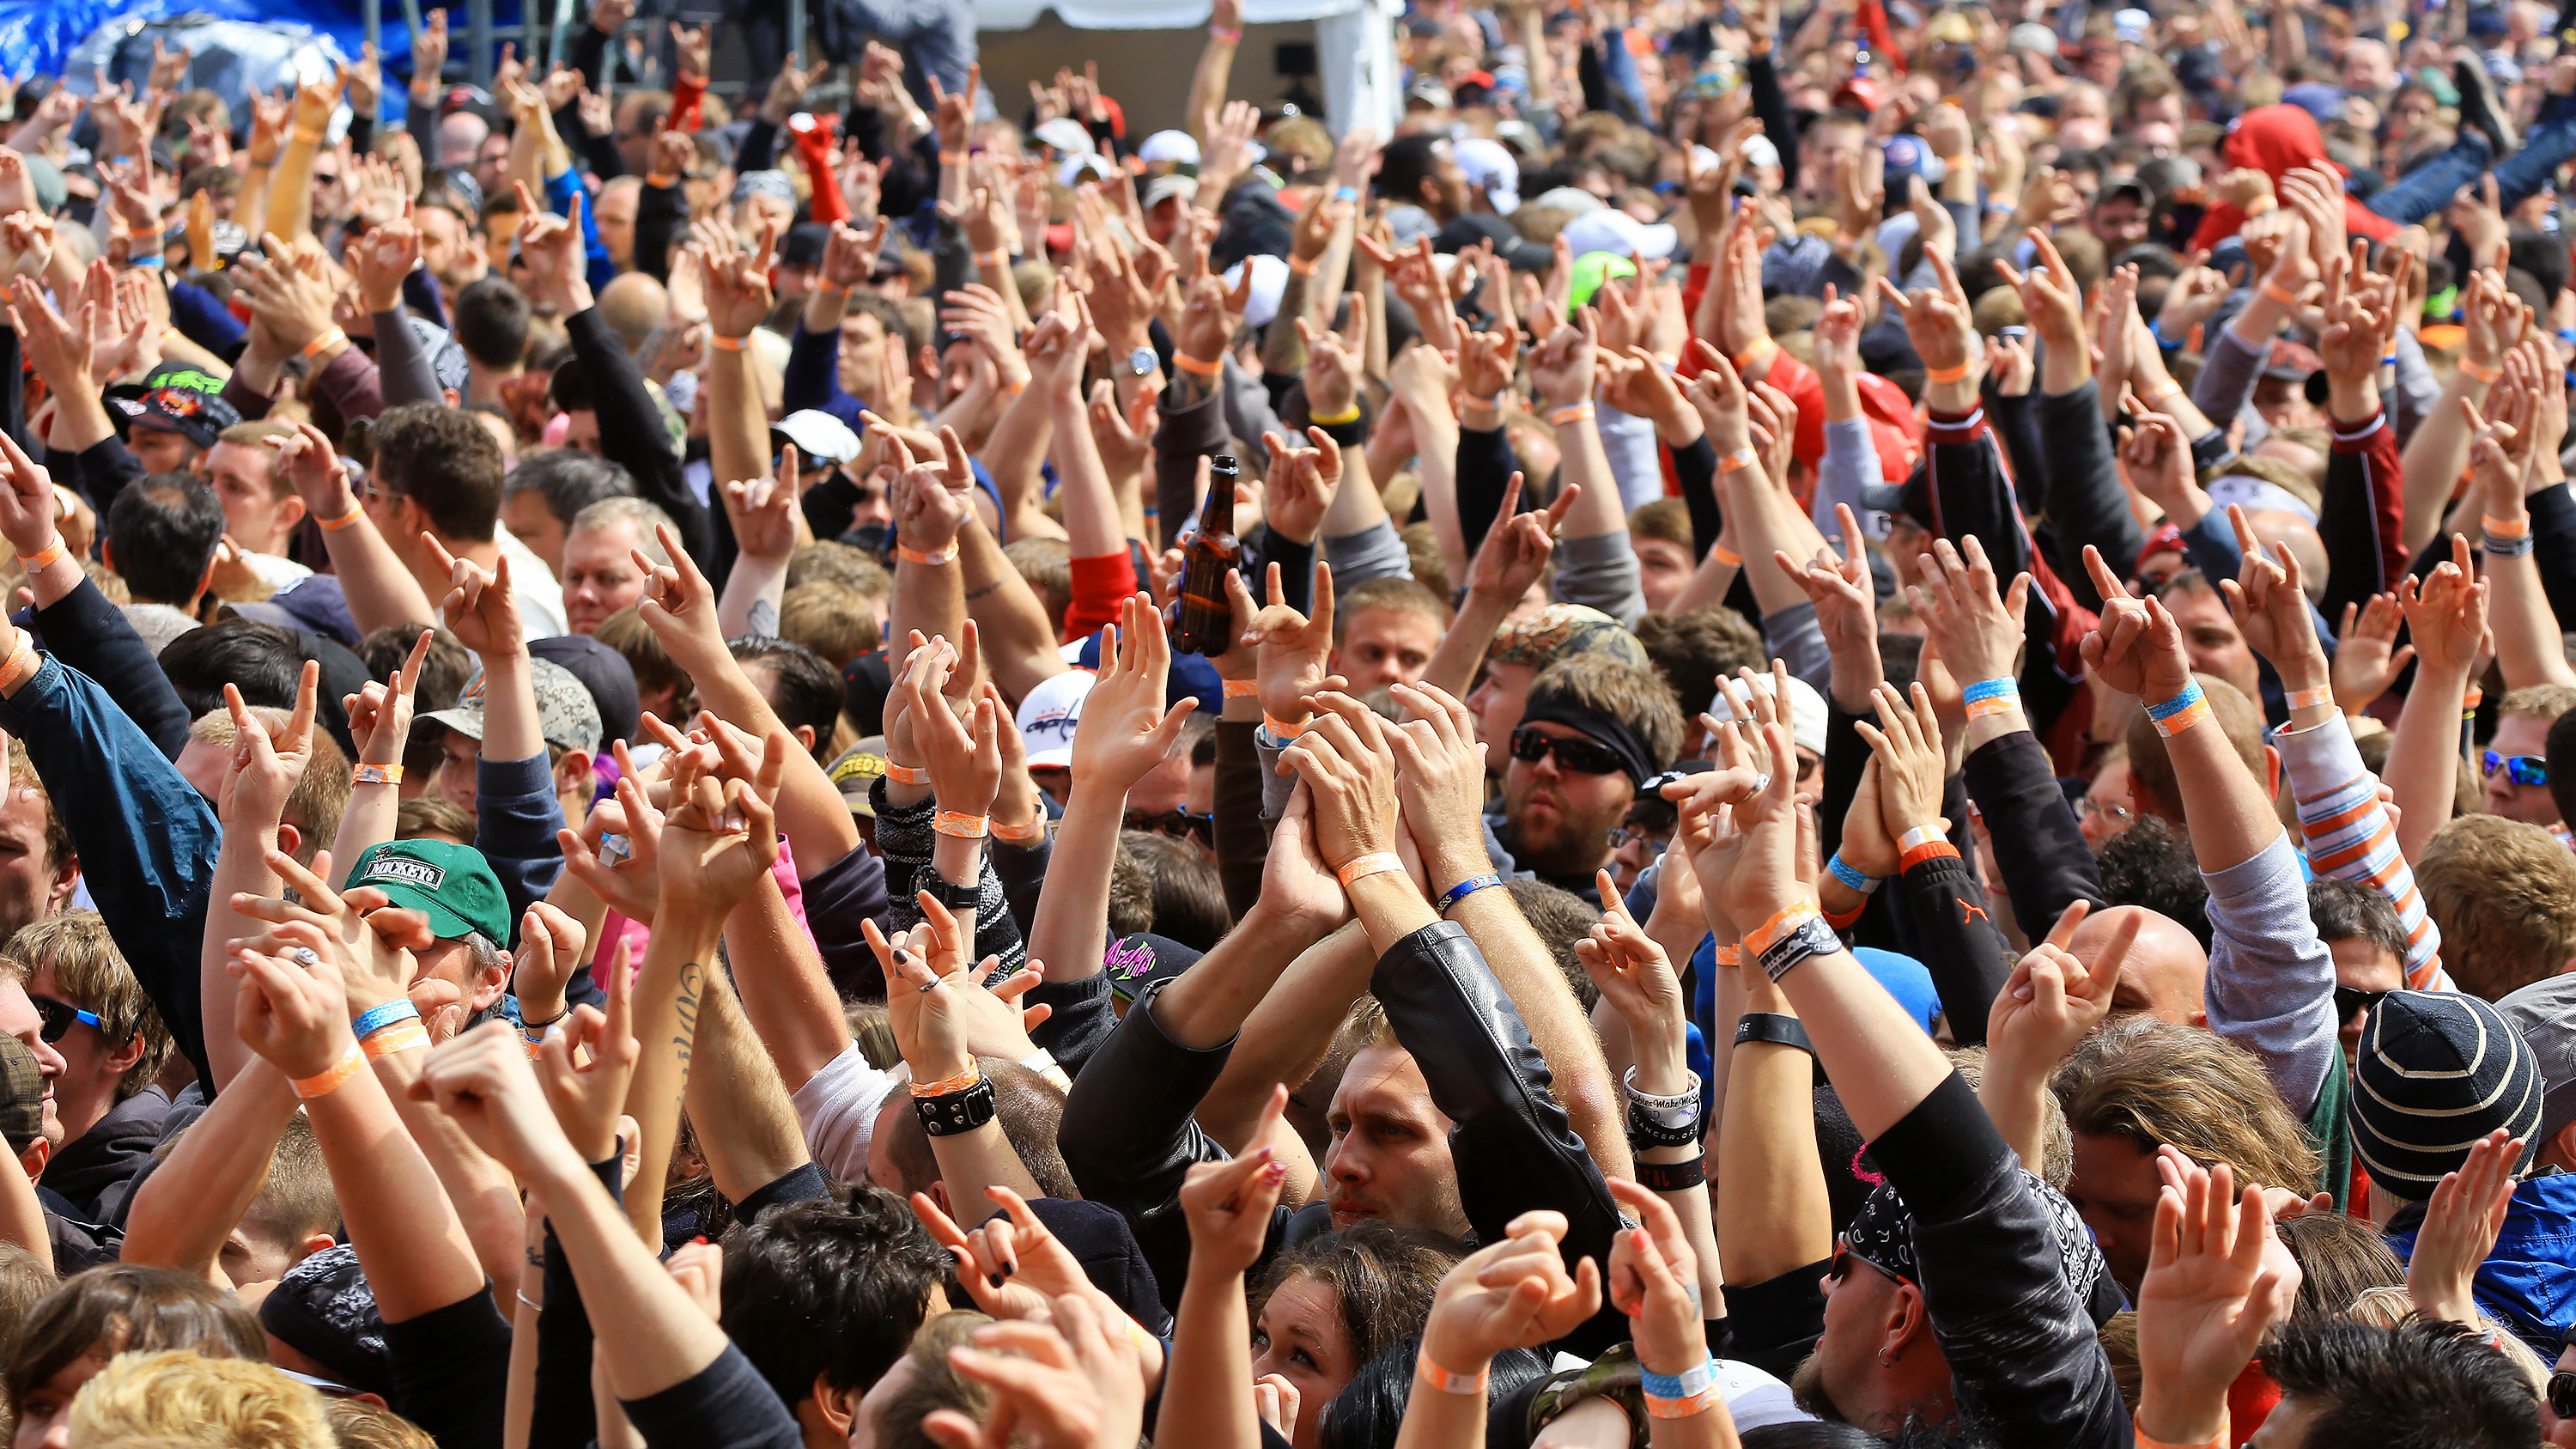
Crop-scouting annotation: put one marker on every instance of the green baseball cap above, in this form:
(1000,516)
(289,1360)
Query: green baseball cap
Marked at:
(1592,269)
(451,884)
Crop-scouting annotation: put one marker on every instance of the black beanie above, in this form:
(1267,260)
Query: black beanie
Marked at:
(2437,1070)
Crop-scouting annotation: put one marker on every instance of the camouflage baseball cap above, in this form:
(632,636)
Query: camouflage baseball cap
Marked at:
(566,714)
(22,1094)
(1562,631)
(451,884)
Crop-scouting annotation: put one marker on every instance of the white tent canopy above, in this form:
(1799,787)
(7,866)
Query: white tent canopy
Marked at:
(1354,41)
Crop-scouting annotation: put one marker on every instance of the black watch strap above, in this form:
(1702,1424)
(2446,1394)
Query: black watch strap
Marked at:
(954,897)
(1771,1026)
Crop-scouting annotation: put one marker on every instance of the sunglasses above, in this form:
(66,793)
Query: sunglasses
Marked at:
(1179,823)
(2562,1394)
(59,1016)
(1580,757)
(2521,769)
(1842,1263)
(1621,835)
(2349,999)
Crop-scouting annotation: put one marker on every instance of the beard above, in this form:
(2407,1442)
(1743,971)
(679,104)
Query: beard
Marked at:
(1807,1386)
(1567,844)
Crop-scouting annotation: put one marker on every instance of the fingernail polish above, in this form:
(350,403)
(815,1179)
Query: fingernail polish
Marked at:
(1010,1270)
(994,1278)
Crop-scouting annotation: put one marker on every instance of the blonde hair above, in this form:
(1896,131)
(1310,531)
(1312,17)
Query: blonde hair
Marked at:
(90,972)
(183,1396)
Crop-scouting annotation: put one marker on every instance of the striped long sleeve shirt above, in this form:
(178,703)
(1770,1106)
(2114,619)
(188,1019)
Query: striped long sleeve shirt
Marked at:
(2351,836)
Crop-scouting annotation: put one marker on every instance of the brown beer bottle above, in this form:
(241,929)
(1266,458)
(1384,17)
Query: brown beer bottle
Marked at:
(1202,620)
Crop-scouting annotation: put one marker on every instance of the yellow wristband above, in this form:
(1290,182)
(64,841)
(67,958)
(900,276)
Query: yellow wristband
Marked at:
(1349,414)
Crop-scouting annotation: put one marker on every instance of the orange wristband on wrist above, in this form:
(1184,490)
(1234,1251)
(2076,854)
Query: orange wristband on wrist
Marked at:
(53,553)
(333,1077)
(2477,374)
(1788,918)
(345,520)
(961,825)
(22,664)
(1376,862)
(1196,368)
(2277,294)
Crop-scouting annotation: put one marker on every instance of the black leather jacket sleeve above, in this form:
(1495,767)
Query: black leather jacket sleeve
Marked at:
(1513,1146)
(1129,1137)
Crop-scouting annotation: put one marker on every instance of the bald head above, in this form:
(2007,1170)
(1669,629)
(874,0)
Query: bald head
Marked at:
(460,135)
(2165,971)
(632,306)
(2277,529)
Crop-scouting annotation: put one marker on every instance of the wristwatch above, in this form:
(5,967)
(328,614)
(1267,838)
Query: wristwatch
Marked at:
(1142,362)
(955,897)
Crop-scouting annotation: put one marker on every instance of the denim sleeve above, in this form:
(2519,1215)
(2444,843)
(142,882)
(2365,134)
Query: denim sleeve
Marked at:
(147,840)
(516,816)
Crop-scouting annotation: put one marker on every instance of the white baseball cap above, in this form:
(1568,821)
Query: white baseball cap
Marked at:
(1806,710)
(1178,147)
(1066,134)
(1616,232)
(1269,283)
(1049,715)
(1490,164)
(818,435)
(1088,164)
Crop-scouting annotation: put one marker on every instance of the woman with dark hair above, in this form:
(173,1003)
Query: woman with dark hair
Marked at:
(1331,1304)
(112,1309)
(1369,1411)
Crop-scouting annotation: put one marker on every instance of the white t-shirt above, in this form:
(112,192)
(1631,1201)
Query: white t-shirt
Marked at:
(838,1109)
(541,605)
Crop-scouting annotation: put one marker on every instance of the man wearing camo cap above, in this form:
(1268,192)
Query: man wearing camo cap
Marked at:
(519,804)
(1529,644)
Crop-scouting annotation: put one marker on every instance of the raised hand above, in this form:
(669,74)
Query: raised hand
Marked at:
(617,852)
(551,246)
(1518,545)
(1940,324)
(380,713)
(1344,758)
(1291,649)
(1227,1204)
(1077,1382)
(1654,1279)
(2367,657)
(2137,648)
(1839,586)
(963,758)
(1301,484)
(483,1082)
(2053,1000)
(1126,731)
(1976,631)
(1562,367)
(1012,1265)
(2271,611)
(2206,1302)
(764,510)
(1440,783)
(383,258)
(1512,1294)
(482,609)
(2460,1225)
(1634,974)
(2446,613)
(721,833)
(291,1009)
(587,1059)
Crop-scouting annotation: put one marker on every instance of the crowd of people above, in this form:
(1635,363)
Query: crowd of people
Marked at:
(1790,729)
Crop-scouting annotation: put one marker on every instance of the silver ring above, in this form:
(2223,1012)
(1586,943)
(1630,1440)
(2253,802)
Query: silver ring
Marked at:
(305,955)
(1761,782)
(933,986)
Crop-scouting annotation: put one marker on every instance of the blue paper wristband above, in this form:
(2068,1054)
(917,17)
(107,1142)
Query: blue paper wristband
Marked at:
(1990,689)
(378,1018)
(1466,888)
(1851,875)
(1696,1381)
(2190,696)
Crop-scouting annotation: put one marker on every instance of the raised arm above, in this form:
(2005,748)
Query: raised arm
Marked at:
(181,1215)
(2446,617)
(1126,732)
(680,608)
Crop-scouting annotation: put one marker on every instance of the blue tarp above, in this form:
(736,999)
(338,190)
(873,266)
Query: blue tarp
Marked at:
(37,38)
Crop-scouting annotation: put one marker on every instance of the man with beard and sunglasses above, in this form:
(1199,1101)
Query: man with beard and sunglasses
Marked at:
(1592,731)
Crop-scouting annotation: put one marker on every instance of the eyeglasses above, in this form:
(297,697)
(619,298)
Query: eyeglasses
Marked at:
(1655,840)
(59,1016)
(2562,1394)
(2521,769)
(2349,999)
(1581,757)
(2119,815)
(1844,1257)
(372,491)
